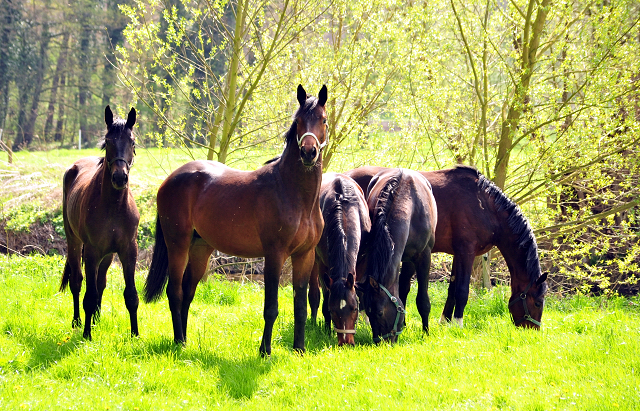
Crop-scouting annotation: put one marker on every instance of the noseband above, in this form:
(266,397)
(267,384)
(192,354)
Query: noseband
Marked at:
(345,331)
(400,310)
(527,316)
(129,165)
(309,133)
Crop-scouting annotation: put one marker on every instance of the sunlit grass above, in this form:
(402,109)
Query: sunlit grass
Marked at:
(586,357)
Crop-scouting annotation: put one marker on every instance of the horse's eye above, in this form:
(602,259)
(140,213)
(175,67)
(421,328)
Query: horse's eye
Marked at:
(538,304)
(380,313)
(324,121)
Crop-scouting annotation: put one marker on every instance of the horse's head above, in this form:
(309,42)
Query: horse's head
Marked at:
(311,125)
(527,302)
(385,311)
(119,145)
(343,306)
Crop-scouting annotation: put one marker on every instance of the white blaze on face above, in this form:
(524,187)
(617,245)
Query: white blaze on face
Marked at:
(343,303)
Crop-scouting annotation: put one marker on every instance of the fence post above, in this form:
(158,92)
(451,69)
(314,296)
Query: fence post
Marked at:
(486,279)
(6,148)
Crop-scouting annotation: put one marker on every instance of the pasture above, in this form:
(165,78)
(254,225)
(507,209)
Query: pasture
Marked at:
(587,355)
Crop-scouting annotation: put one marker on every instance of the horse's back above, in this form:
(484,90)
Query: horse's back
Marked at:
(466,222)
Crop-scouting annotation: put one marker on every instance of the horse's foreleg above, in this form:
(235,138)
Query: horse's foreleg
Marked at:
(272,268)
(128,259)
(199,254)
(406,273)
(325,308)
(302,265)
(102,283)
(463,265)
(90,301)
(422,266)
(314,291)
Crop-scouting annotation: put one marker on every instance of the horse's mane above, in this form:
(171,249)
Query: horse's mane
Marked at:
(382,243)
(117,127)
(339,261)
(516,221)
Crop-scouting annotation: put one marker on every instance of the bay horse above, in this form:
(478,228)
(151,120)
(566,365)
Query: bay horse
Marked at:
(473,216)
(403,224)
(346,226)
(101,218)
(272,212)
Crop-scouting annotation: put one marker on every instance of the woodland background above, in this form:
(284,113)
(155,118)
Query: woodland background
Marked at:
(541,96)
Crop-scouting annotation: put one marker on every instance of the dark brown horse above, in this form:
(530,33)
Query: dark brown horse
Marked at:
(403,224)
(271,212)
(346,225)
(100,219)
(473,216)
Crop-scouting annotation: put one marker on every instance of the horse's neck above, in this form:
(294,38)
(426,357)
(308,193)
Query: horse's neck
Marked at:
(107,191)
(515,257)
(297,179)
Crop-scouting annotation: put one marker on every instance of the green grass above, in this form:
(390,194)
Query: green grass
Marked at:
(586,357)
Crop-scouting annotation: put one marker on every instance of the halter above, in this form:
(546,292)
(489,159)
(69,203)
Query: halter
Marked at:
(527,316)
(129,165)
(309,133)
(400,310)
(345,331)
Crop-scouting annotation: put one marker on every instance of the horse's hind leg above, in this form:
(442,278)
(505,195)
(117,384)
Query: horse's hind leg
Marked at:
(73,276)
(102,283)
(463,265)
(199,254)
(408,269)
(423,265)
(128,258)
(450,304)
(302,265)
(314,291)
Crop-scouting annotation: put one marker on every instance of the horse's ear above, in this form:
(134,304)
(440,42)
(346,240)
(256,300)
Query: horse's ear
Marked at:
(302,95)
(542,279)
(328,281)
(373,283)
(131,118)
(108,116)
(322,96)
(350,281)
(360,287)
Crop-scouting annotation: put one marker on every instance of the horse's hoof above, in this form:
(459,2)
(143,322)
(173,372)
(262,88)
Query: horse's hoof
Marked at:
(86,336)
(299,351)
(76,323)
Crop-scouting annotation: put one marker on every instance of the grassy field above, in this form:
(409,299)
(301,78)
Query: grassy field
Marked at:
(587,355)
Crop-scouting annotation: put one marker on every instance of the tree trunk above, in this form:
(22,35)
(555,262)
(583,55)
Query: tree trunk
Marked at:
(60,67)
(38,80)
(530,45)
(6,39)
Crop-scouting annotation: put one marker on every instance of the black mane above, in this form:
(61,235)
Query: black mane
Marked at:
(382,243)
(339,260)
(516,221)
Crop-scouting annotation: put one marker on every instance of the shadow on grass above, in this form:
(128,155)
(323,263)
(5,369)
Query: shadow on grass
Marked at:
(45,350)
(239,377)
(317,337)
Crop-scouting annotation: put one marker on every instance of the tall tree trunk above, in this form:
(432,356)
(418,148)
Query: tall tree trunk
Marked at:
(6,38)
(58,136)
(530,43)
(38,80)
(84,79)
(60,67)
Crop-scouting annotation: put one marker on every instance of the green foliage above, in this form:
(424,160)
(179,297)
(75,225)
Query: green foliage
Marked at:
(218,291)
(585,357)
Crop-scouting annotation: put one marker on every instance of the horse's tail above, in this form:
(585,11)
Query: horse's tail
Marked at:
(381,242)
(158,271)
(66,276)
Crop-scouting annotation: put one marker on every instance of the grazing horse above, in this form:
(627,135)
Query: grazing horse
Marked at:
(346,225)
(403,224)
(272,212)
(473,216)
(100,219)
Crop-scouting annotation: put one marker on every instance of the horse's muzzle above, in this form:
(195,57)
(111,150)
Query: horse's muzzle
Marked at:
(309,155)
(119,180)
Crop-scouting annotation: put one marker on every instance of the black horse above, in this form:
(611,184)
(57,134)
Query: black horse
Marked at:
(403,217)
(346,225)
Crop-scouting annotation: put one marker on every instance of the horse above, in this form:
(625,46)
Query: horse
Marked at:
(346,226)
(474,215)
(101,218)
(403,224)
(272,212)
